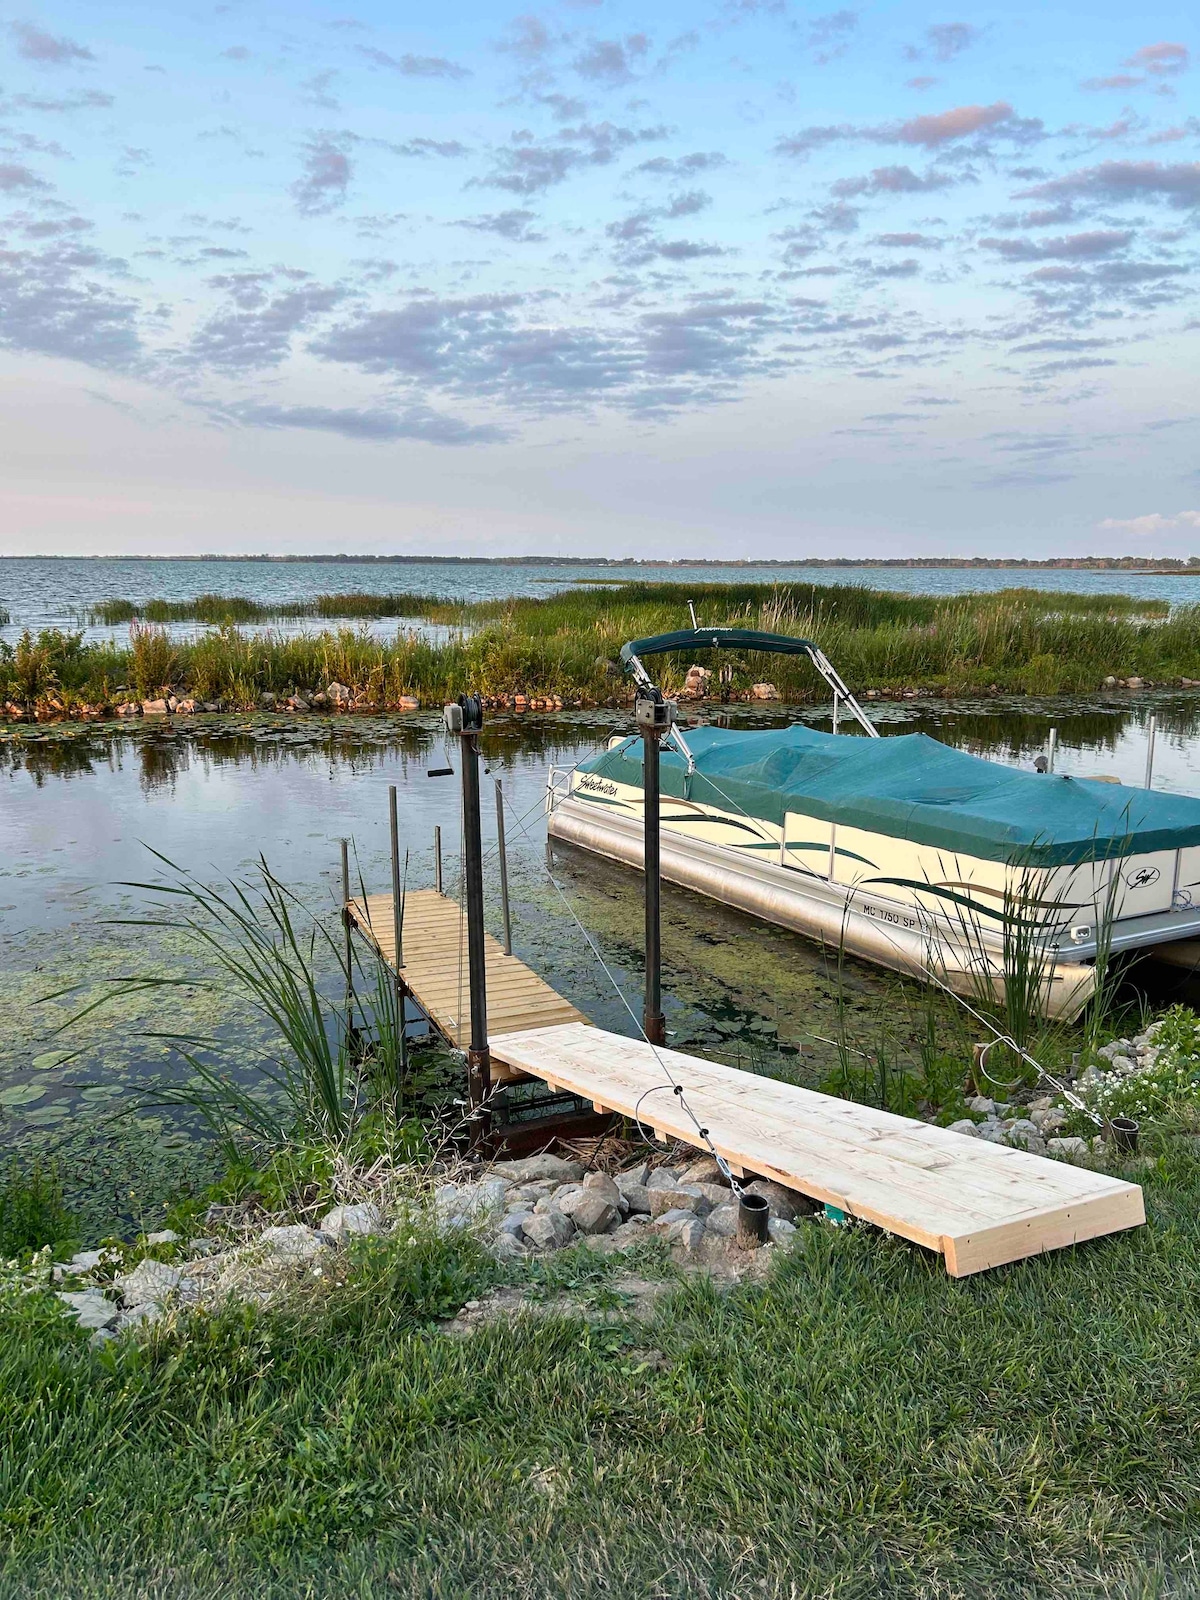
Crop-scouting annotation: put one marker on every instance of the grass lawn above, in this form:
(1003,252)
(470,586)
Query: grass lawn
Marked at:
(857,1425)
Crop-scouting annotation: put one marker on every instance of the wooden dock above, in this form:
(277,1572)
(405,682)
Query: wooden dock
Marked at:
(979,1204)
(434,937)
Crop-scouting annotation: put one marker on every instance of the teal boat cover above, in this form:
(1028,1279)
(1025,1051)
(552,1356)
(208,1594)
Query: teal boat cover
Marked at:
(912,787)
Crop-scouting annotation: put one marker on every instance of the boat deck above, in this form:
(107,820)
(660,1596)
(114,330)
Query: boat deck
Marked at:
(979,1204)
(434,937)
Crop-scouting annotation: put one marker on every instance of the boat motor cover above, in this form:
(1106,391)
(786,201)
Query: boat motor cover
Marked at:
(912,787)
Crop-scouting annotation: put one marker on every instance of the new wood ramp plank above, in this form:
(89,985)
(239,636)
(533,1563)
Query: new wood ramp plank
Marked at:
(979,1204)
(434,936)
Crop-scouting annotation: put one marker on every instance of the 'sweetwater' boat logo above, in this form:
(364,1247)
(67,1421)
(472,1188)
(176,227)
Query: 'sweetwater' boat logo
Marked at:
(1142,877)
(592,785)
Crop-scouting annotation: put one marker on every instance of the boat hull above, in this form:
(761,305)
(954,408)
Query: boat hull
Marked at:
(889,933)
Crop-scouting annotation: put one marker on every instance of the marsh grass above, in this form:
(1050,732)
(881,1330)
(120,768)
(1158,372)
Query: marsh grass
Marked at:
(336,1058)
(567,644)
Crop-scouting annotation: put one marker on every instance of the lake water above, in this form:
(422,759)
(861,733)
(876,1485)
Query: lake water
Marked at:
(80,805)
(39,592)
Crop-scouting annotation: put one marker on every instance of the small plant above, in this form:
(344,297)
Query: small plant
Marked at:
(155,663)
(33,1213)
(1170,1082)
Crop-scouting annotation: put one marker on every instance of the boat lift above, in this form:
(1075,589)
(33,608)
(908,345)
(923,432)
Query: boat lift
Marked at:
(656,718)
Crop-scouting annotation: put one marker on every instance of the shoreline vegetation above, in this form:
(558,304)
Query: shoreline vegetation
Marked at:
(562,649)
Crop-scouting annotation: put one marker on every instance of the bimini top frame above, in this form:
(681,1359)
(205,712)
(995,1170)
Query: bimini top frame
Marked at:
(783,644)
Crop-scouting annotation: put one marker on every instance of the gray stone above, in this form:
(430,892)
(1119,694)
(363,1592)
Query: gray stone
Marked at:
(705,1169)
(780,1231)
(139,1316)
(664,1222)
(163,1236)
(716,1194)
(84,1261)
(785,1203)
(992,1132)
(981,1105)
(345,1222)
(600,1183)
(90,1308)
(294,1243)
(204,1245)
(592,1213)
(508,1247)
(564,1195)
(1024,1136)
(101,1337)
(1048,1121)
(549,1230)
(662,1178)
(964,1125)
(723,1221)
(633,1177)
(464,1205)
(663,1201)
(1123,1065)
(529,1169)
(637,1197)
(514,1222)
(1070,1148)
(690,1236)
(149,1280)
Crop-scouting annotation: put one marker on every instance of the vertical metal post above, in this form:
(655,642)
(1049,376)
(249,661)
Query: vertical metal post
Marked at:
(503,853)
(835,710)
(349,951)
(398,939)
(1150,749)
(1052,749)
(437,859)
(479,1075)
(397,901)
(653,1023)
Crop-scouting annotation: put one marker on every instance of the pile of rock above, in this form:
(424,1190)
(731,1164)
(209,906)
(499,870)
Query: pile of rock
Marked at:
(1035,1127)
(545,1203)
(515,1208)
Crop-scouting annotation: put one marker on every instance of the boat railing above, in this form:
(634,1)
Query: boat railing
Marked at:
(558,787)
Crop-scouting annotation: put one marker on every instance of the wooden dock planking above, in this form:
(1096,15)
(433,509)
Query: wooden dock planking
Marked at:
(435,972)
(979,1204)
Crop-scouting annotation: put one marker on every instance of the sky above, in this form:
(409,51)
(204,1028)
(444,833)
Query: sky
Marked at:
(734,278)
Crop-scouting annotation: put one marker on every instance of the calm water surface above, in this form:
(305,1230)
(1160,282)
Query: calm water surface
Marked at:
(77,814)
(38,592)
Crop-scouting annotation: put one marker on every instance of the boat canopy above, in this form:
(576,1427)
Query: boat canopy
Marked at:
(780,644)
(913,787)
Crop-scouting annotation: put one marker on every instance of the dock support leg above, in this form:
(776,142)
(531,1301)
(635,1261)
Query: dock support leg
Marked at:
(437,859)
(503,854)
(653,1023)
(398,939)
(348,952)
(479,1075)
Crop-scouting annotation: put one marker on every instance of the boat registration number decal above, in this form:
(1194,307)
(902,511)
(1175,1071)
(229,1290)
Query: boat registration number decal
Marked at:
(894,918)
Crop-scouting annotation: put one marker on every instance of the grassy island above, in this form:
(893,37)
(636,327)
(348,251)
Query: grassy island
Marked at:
(566,645)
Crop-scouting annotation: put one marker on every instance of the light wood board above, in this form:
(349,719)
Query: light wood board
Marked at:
(979,1204)
(434,937)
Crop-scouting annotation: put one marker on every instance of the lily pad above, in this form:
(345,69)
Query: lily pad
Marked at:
(47,1116)
(51,1058)
(21,1094)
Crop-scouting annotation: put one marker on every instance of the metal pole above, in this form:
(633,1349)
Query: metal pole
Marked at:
(503,853)
(397,901)
(398,939)
(835,710)
(1052,750)
(437,859)
(653,1023)
(479,1076)
(349,952)
(1150,749)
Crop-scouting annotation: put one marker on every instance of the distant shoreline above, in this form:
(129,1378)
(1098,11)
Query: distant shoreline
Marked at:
(1137,565)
